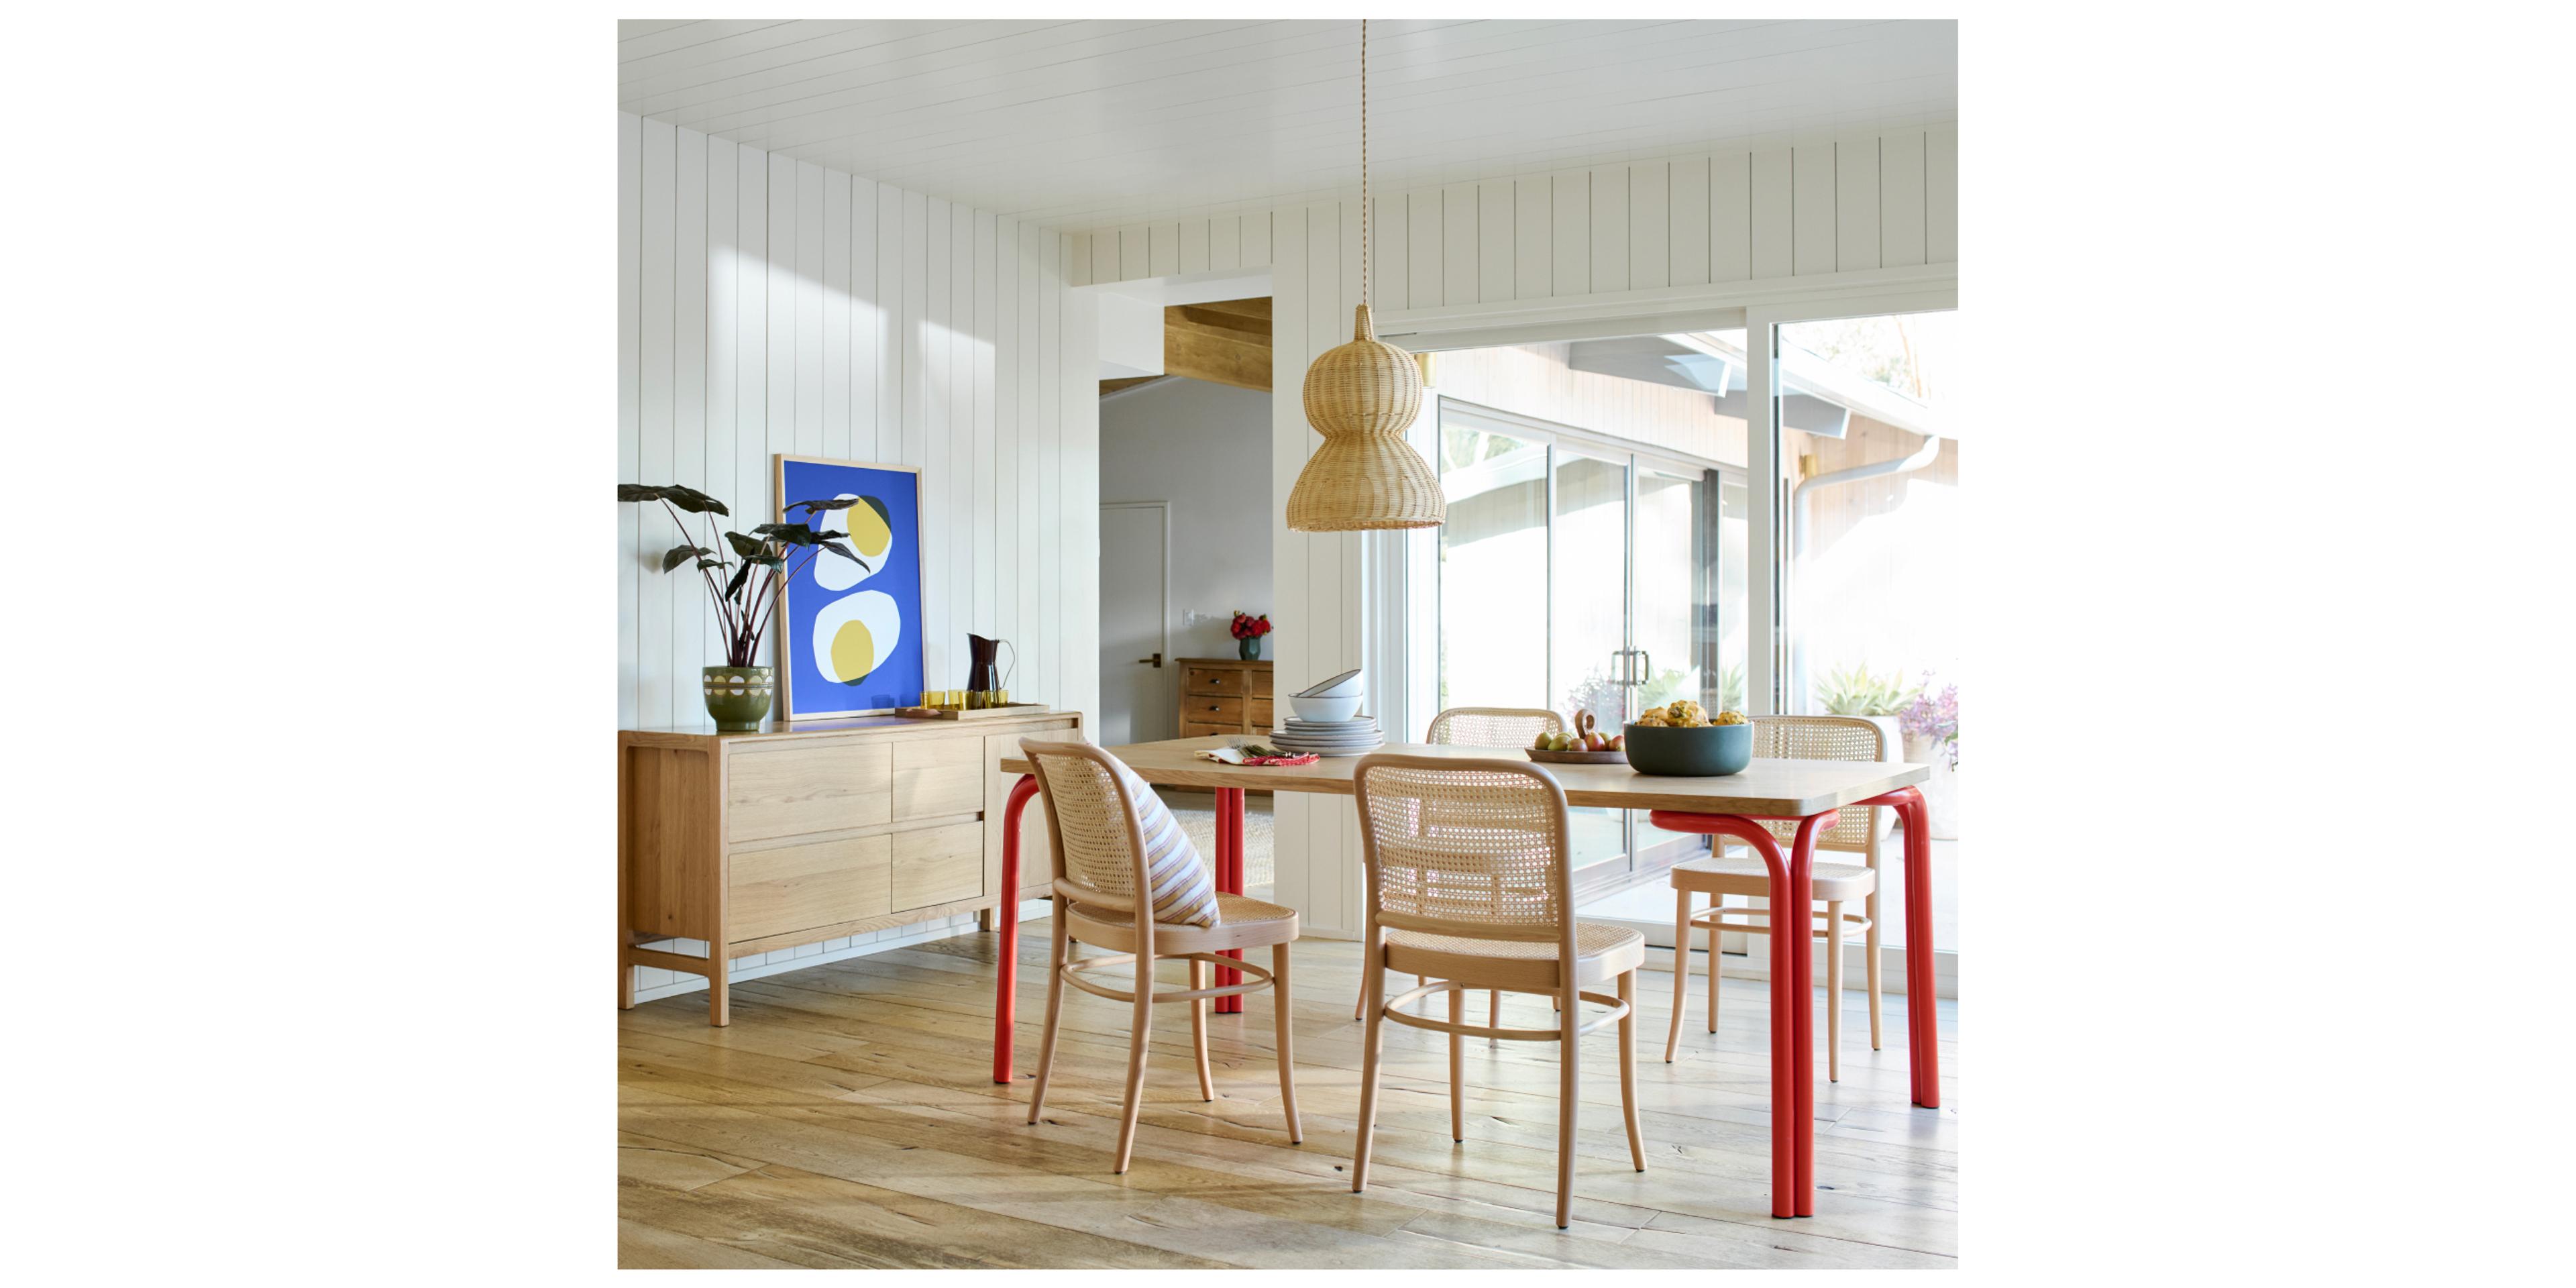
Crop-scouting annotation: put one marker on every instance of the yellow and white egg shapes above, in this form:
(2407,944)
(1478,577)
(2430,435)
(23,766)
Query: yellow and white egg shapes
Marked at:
(855,634)
(869,534)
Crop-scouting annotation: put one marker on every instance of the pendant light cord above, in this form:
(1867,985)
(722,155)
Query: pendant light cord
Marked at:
(1364,192)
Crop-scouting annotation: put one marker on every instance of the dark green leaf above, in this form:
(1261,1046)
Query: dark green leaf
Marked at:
(841,504)
(733,588)
(686,498)
(715,563)
(844,551)
(747,547)
(677,555)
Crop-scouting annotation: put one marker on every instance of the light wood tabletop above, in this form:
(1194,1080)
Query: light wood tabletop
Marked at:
(1767,789)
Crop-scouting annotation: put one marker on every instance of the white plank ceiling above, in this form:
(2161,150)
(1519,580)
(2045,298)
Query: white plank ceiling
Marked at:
(1083,123)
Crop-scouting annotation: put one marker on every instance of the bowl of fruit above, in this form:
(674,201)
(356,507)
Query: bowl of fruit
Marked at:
(1585,746)
(1680,740)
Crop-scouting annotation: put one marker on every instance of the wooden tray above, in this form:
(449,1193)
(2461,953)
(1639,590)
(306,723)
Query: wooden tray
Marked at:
(973,713)
(1582,725)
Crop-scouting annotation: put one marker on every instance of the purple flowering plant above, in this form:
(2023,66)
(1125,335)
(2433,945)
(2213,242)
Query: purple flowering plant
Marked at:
(1934,719)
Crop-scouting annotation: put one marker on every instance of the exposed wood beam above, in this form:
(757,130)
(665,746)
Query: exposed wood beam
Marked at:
(1226,343)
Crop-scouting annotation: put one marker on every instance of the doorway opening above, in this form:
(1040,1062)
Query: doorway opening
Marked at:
(1185,540)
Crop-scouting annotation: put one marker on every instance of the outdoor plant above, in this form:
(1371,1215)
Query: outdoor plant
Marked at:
(1935,720)
(746,601)
(1855,692)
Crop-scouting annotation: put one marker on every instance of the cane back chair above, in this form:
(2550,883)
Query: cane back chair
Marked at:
(1855,831)
(1102,897)
(1470,885)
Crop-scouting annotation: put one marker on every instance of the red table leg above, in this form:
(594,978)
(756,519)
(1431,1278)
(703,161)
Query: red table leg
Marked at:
(1792,1064)
(1229,879)
(1006,923)
(1921,1006)
(1793,907)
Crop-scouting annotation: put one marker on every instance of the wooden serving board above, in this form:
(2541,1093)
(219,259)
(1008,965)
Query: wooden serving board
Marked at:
(973,713)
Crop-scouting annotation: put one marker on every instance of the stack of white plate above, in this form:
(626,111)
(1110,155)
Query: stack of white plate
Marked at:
(1354,737)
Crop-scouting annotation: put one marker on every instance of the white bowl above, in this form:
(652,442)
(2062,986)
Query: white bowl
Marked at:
(1349,684)
(1325,710)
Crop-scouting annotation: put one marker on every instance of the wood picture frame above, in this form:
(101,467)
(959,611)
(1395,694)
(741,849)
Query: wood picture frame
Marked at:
(831,619)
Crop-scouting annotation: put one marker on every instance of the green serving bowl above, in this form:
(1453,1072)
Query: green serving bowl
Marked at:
(1710,751)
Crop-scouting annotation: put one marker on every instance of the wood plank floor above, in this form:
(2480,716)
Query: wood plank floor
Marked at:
(847,1118)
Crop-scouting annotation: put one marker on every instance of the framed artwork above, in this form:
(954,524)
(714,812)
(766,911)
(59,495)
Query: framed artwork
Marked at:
(849,636)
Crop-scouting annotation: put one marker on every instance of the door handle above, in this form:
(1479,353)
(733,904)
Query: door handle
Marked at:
(1156,660)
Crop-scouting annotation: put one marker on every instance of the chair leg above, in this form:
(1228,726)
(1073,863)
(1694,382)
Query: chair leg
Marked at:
(1567,1105)
(1057,956)
(1681,969)
(1457,1069)
(1287,1014)
(1374,991)
(1136,1059)
(1628,1068)
(1716,960)
(1494,1013)
(1198,1028)
(1833,989)
(1869,909)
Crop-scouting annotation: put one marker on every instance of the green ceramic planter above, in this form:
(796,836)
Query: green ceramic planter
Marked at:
(738,697)
(1711,751)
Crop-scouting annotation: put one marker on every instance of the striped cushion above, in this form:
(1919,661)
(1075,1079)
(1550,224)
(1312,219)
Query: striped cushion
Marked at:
(1184,889)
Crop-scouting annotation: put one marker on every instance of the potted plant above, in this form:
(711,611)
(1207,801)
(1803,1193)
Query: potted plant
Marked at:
(1931,728)
(1247,631)
(746,600)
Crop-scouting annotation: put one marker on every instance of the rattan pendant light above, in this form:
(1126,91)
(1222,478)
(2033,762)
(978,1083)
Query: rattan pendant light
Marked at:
(1361,397)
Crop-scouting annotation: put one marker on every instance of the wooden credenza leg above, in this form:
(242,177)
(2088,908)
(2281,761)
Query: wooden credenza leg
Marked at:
(719,995)
(625,982)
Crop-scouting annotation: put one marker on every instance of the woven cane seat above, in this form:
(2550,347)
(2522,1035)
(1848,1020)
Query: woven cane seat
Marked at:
(1242,922)
(1744,873)
(1601,952)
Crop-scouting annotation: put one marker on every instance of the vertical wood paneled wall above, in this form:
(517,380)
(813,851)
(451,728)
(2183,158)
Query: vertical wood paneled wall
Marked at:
(768,305)
(1886,200)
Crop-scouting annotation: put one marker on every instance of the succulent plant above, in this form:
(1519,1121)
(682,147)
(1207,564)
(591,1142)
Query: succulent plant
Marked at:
(1855,692)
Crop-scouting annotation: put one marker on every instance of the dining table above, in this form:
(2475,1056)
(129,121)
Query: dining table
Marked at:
(1735,806)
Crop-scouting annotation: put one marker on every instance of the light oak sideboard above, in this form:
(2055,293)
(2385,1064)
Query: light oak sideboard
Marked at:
(819,830)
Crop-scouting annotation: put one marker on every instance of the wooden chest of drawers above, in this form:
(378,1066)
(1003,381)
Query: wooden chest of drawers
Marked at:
(1224,695)
(756,841)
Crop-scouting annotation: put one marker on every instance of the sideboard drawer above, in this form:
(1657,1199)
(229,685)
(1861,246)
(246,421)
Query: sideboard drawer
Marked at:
(808,788)
(796,886)
(1258,711)
(938,865)
(1261,682)
(1191,729)
(936,776)
(1209,679)
(1196,709)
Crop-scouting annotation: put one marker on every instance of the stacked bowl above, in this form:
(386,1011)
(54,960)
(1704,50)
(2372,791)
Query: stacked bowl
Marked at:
(1328,722)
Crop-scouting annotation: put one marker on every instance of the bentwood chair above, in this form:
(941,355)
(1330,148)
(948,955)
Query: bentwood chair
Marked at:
(1470,885)
(1855,831)
(1506,728)
(1100,868)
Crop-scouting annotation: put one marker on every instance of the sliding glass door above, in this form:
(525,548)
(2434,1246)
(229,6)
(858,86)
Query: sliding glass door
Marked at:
(1579,575)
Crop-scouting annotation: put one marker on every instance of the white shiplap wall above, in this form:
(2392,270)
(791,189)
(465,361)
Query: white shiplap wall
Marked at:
(1635,238)
(768,305)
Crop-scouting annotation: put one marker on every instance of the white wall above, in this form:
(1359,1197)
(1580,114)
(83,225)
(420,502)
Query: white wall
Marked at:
(1677,237)
(767,305)
(1204,448)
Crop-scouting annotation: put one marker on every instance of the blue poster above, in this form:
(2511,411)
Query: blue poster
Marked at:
(850,633)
